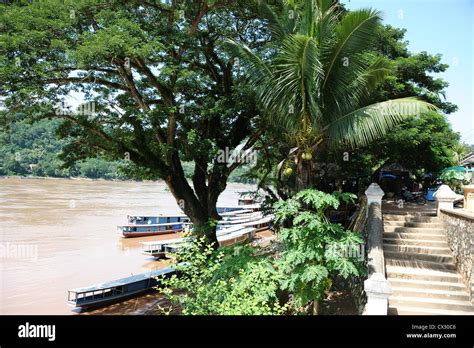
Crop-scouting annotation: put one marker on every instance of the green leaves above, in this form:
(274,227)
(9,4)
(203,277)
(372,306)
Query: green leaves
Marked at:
(231,281)
(286,209)
(314,250)
(238,280)
(354,35)
(364,125)
(455,179)
(317,200)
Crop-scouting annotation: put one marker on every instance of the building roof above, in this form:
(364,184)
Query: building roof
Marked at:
(468,159)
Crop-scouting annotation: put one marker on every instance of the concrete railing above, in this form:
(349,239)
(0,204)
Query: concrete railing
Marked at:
(377,287)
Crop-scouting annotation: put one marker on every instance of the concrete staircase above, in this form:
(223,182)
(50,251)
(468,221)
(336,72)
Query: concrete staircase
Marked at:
(420,268)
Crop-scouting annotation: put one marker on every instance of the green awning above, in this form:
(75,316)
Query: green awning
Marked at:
(454,169)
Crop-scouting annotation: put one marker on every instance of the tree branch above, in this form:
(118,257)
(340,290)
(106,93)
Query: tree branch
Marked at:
(90,79)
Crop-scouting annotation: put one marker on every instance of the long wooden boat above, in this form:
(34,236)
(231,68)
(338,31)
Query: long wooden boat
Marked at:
(144,226)
(262,224)
(113,291)
(133,230)
(159,219)
(160,248)
(157,248)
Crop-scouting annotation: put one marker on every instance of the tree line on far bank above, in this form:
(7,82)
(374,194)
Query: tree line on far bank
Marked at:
(34,149)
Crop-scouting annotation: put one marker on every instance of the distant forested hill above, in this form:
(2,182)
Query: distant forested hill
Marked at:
(33,149)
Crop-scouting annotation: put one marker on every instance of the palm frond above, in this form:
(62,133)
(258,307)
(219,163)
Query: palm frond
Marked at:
(354,35)
(278,25)
(356,84)
(257,69)
(364,125)
(296,74)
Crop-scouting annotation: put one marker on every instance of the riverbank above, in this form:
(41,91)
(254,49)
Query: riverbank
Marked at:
(32,177)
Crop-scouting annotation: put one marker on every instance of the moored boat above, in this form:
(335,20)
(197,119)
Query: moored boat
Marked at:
(113,291)
(160,219)
(160,248)
(262,224)
(143,226)
(133,230)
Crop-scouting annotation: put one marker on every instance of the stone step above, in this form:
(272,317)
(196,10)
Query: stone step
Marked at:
(410,218)
(443,259)
(432,303)
(393,259)
(410,213)
(415,242)
(414,236)
(429,293)
(417,249)
(409,270)
(413,229)
(399,223)
(403,310)
(427,284)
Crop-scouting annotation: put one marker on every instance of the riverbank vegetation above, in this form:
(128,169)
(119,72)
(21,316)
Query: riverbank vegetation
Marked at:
(291,276)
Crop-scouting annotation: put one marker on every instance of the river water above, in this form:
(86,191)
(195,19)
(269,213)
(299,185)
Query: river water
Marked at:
(59,234)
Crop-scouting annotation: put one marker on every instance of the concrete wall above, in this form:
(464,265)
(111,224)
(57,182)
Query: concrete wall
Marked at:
(459,227)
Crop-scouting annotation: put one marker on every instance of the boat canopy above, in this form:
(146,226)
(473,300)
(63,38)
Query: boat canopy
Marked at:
(123,281)
(153,225)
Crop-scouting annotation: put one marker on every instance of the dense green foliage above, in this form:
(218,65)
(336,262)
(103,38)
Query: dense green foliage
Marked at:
(455,179)
(315,250)
(318,83)
(163,89)
(37,145)
(230,281)
(423,144)
(243,280)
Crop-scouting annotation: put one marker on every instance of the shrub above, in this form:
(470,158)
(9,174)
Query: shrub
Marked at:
(455,179)
(314,250)
(230,281)
(238,280)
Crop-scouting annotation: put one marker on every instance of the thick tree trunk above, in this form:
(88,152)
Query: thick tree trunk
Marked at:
(191,205)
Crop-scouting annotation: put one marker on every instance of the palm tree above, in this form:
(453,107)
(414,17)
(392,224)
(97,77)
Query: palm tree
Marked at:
(317,79)
(459,152)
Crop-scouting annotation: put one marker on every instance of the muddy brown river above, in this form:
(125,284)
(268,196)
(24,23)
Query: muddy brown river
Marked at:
(58,234)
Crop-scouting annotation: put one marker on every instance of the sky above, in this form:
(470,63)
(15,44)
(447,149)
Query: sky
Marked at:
(438,26)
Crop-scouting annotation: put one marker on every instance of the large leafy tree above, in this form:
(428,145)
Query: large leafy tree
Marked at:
(318,79)
(412,73)
(163,89)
